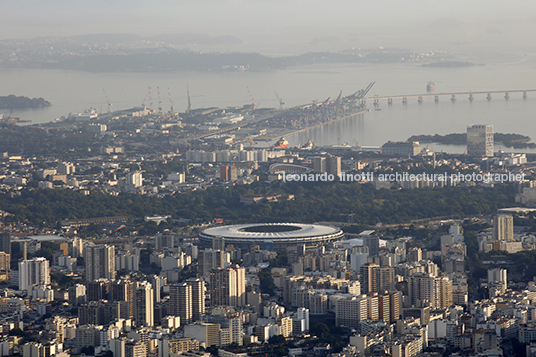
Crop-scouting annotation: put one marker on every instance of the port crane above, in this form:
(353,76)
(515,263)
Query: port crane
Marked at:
(143,104)
(352,99)
(338,105)
(172,109)
(253,104)
(189,102)
(160,108)
(150,97)
(281,103)
(108,99)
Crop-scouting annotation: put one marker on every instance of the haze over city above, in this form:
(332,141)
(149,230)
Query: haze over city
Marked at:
(283,27)
(248,178)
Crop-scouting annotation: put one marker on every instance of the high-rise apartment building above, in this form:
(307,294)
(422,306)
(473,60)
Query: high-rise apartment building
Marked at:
(180,297)
(144,305)
(164,241)
(134,179)
(442,292)
(77,294)
(98,290)
(5,243)
(414,254)
(420,289)
(395,304)
(124,290)
(373,308)
(210,259)
(333,165)
(303,313)
(157,283)
(100,262)
(66,168)
(99,312)
(351,311)
(384,307)
(503,227)
(198,297)
(376,279)
(385,278)
(368,278)
(423,287)
(228,173)
(228,286)
(330,164)
(498,276)
(319,164)
(373,244)
(480,140)
(205,333)
(5,266)
(218,243)
(33,272)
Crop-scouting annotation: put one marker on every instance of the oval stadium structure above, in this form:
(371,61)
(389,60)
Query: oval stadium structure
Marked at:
(276,235)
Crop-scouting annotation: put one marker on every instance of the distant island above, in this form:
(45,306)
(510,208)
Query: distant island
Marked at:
(19,102)
(449,64)
(175,52)
(517,141)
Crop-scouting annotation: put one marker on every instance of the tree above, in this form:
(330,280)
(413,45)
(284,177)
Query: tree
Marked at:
(321,330)
(17,332)
(267,284)
(89,350)
(277,340)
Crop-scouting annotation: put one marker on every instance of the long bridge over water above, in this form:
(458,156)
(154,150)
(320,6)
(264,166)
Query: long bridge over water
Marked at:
(357,103)
(453,96)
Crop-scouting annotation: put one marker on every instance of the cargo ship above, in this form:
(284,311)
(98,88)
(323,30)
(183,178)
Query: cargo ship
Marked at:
(430,86)
(280,144)
(310,145)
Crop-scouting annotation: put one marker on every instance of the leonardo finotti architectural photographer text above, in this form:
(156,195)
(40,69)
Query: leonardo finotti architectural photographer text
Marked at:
(405,177)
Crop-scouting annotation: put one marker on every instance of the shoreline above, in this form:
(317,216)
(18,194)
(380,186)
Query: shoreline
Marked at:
(328,122)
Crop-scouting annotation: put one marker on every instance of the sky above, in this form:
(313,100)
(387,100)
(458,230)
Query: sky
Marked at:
(283,25)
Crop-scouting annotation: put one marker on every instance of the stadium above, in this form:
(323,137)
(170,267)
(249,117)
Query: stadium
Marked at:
(271,235)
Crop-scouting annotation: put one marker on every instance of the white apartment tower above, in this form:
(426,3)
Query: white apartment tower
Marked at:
(228,286)
(66,168)
(503,228)
(33,272)
(100,262)
(498,276)
(144,305)
(198,297)
(135,179)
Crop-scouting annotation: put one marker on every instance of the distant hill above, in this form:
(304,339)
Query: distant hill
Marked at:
(182,51)
(15,102)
